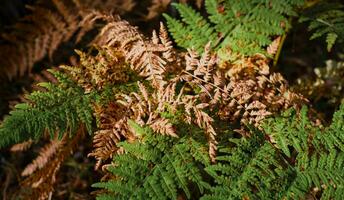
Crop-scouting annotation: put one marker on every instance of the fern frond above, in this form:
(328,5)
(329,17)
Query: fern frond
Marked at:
(168,165)
(326,19)
(146,57)
(61,108)
(197,32)
(96,72)
(112,129)
(251,169)
(51,24)
(241,26)
(45,155)
(41,183)
(319,152)
(21,146)
(324,173)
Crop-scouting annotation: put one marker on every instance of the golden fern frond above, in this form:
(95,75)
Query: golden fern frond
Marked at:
(94,72)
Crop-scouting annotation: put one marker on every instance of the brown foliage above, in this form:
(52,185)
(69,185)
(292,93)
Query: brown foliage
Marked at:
(113,128)
(22,146)
(41,182)
(150,58)
(107,67)
(242,91)
(38,35)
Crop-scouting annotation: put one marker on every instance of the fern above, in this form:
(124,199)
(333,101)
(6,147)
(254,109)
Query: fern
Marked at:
(241,26)
(158,167)
(298,158)
(171,135)
(61,108)
(319,153)
(252,169)
(326,20)
(51,24)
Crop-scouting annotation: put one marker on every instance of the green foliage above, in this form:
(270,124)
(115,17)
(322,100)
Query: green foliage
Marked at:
(252,169)
(326,19)
(242,26)
(158,167)
(297,160)
(319,153)
(61,108)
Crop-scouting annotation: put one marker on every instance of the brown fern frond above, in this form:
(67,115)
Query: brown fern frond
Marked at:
(41,182)
(113,128)
(156,8)
(240,91)
(163,126)
(273,47)
(204,121)
(21,146)
(51,24)
(245,90)
(141,107)
(44,30)
(45,155)
(149,58)
(253,93)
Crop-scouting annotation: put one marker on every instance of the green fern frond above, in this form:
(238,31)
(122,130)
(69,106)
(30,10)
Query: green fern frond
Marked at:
(326,20)
(319,152)
(241,26)
(194,32)
(323,173)
(60,109)
(169,167)
(252,169)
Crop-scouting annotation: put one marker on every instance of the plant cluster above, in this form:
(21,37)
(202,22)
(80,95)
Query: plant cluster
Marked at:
(210,121)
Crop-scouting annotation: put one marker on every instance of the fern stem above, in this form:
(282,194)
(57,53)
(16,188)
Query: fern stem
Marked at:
(284,36)
(203,80)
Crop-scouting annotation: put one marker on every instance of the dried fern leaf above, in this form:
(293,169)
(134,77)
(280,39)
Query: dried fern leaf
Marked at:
(21,146)
(45,155)
(41,182)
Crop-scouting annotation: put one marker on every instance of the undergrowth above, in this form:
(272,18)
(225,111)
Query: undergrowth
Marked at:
(207,120)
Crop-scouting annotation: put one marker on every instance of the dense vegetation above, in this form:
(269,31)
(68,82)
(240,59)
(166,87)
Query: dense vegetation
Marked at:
(225,99)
